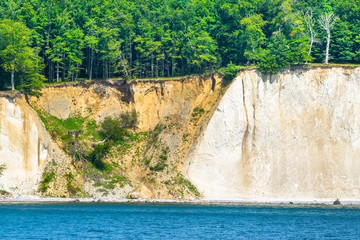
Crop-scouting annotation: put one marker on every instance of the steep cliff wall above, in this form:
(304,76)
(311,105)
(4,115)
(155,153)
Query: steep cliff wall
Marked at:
(295,136)
(171,114)
(152,99)
(25,146)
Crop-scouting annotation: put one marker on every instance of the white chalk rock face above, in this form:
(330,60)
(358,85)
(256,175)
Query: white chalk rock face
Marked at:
(24,146)
(295,136)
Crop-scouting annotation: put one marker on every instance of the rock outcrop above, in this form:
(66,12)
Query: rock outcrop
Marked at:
(25,146)
(294,136)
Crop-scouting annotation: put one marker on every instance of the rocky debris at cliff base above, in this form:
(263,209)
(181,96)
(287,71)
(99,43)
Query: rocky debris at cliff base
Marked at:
(37,199)
(136,195)
(33,198)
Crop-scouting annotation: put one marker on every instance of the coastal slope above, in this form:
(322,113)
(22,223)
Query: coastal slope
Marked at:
(25,146)
(293,136)
(43,136)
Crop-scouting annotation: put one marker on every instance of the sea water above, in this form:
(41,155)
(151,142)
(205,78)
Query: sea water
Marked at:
(177,221)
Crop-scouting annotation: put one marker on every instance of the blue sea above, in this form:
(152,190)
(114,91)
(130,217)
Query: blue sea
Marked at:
(177,221)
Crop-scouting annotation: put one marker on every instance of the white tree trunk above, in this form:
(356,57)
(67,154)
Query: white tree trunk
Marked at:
(327,47)
(12,79)
(327,21)
(311,43)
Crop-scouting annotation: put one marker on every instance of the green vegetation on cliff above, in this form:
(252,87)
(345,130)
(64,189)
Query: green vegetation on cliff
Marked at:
(70,40)
(105,155)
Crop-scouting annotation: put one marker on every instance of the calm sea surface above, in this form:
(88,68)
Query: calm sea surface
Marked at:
(164,221)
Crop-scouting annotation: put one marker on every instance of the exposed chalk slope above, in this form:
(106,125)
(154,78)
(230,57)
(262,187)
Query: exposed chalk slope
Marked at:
(25,146)
(295,136)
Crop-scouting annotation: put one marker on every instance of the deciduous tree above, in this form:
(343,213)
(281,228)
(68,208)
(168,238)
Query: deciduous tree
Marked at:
(327,21)
(15,52)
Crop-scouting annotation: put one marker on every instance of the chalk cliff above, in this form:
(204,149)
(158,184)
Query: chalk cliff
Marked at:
(25,146)
(294,136)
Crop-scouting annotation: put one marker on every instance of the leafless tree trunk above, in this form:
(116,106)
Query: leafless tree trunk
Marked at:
(310,23)
(12,79)
(327,21)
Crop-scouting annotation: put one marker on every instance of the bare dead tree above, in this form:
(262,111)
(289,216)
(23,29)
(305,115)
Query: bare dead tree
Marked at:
(327,21)
(310,23)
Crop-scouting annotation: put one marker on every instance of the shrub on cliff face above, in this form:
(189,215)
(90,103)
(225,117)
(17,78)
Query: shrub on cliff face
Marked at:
(2,168)
(112,130)
(99,153)
(47,178)
(116,129)
(71,187)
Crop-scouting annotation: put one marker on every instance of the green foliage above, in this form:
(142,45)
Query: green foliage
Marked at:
(46,179)
(72,189)
(161,164)
(74,123)
(117,179)
(343,45)
(113,131)
(229,73)
(276,55)
(116,129)
(177,185)
(59,129)
(99,153)
(154,135)
(18,57)
(281,53)
(142,39)
(180,180)
(253,37)
(2,168)
(4,193)
(197,111)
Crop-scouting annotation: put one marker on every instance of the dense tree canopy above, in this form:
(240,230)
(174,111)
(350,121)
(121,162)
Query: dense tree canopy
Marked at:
(73,39)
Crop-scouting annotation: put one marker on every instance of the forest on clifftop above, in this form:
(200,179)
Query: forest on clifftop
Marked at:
(68,40)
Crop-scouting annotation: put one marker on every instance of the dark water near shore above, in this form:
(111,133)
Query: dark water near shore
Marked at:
(164,221)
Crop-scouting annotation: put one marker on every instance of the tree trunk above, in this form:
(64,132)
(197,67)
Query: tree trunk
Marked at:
(50,71)
(311,43)
(130,65)
(327,48)
(91,64)
(173,63)
(63,71)
(57,71)
(152,65)
(12,79)
(163,64)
